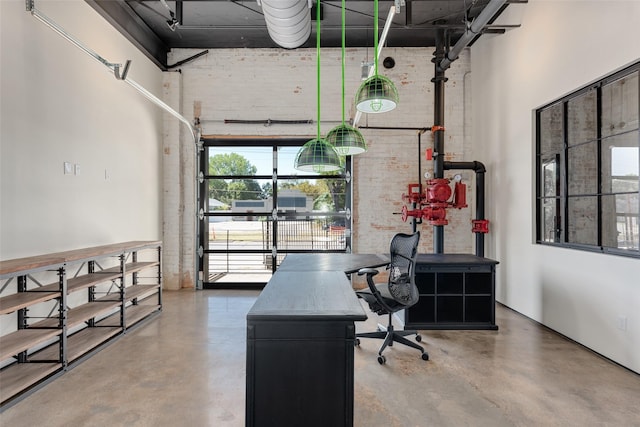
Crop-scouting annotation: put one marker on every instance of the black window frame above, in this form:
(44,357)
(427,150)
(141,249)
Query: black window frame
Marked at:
(558,202)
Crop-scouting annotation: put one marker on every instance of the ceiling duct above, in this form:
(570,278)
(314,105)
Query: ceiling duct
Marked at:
(288,21)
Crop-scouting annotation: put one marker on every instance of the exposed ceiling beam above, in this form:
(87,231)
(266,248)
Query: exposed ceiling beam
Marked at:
(120,15)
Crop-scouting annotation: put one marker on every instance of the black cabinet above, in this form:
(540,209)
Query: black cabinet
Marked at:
(457,291)
(300,340)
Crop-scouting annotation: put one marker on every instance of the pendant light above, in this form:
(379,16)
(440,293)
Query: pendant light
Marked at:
(377,94)
(317,155)
(347,140)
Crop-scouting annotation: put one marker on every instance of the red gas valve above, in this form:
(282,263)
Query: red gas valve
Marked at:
(435,215)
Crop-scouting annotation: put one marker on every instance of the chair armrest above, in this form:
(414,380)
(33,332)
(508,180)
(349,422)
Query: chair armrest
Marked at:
(382,305)
(367,271)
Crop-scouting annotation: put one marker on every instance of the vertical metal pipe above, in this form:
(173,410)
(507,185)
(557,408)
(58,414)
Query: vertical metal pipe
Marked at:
(438,129)
(480,211)
(479,169)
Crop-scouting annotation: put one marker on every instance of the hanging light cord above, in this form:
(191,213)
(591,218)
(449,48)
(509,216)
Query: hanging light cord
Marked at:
(375,30)
(344,42)
(318,60)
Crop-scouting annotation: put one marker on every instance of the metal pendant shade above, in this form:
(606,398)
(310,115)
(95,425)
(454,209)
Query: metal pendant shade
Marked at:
(377,94)
(318,156)
(347,140)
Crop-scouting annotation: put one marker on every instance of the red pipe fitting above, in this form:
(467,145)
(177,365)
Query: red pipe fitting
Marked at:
(480,226)
(414,194)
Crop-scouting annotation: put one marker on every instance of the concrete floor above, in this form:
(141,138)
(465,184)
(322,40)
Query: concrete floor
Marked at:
(187,368)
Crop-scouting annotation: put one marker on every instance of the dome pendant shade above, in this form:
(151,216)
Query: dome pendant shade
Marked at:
(317,156)
(377,94)
(346,140)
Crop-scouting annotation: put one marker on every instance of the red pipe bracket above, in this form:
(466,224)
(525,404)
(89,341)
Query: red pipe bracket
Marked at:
(480,226)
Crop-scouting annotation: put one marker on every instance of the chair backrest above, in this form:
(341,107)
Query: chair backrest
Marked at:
(404,251)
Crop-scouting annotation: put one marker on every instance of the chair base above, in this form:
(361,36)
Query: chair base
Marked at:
(390,336)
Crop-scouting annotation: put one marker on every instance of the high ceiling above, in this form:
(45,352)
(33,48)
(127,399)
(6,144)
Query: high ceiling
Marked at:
(211,24)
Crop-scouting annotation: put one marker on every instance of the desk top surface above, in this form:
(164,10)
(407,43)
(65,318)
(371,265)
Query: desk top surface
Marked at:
(347,263)
(314,287)
(307,295)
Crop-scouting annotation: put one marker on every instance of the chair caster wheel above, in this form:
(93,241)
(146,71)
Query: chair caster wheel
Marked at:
(418,338)
(357,342)
(382,360)
(425,356)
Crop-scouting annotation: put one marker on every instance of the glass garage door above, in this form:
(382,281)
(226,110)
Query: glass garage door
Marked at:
(255,208)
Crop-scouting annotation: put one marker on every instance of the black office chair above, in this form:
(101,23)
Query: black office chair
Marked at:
(400,292)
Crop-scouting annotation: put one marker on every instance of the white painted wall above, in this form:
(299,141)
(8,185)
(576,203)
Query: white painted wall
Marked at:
(59,105)
(561,46)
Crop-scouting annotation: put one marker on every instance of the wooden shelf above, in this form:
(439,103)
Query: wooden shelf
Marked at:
(20,376)
(138,291)
(92,279)
(23,339)
(15,302)
(79,338)
(88,339)
(80,343)
(135,313)
(82,313)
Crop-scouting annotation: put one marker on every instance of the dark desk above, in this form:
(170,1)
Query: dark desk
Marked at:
(300,339)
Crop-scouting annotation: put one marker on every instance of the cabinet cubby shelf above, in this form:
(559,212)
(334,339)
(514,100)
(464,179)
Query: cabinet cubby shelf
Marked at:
(457,291)
(50,336)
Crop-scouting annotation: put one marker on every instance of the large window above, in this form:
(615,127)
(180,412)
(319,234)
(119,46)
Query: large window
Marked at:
(588,167)
(256,208)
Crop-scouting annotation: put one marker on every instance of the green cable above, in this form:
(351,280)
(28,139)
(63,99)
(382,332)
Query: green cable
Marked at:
(318,59)
(375,29)
(344,41)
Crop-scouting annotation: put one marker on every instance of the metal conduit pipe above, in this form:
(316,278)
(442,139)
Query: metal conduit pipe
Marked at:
(115,68)
(472,31)
(479,169)
(438,80)
(288,21)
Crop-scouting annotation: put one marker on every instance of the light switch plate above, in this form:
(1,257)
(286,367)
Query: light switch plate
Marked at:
(68,168)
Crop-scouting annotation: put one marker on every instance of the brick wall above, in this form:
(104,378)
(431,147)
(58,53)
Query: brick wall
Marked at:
(262,84)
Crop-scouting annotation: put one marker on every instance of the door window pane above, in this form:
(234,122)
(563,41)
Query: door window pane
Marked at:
(583,169)
(551,130)
(550,220)
(620,221)
(240,161)
(582,118)
(620,163)
(620,105)
(582,220)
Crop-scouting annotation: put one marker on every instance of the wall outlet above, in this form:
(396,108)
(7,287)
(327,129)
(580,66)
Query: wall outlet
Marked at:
(622,323)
